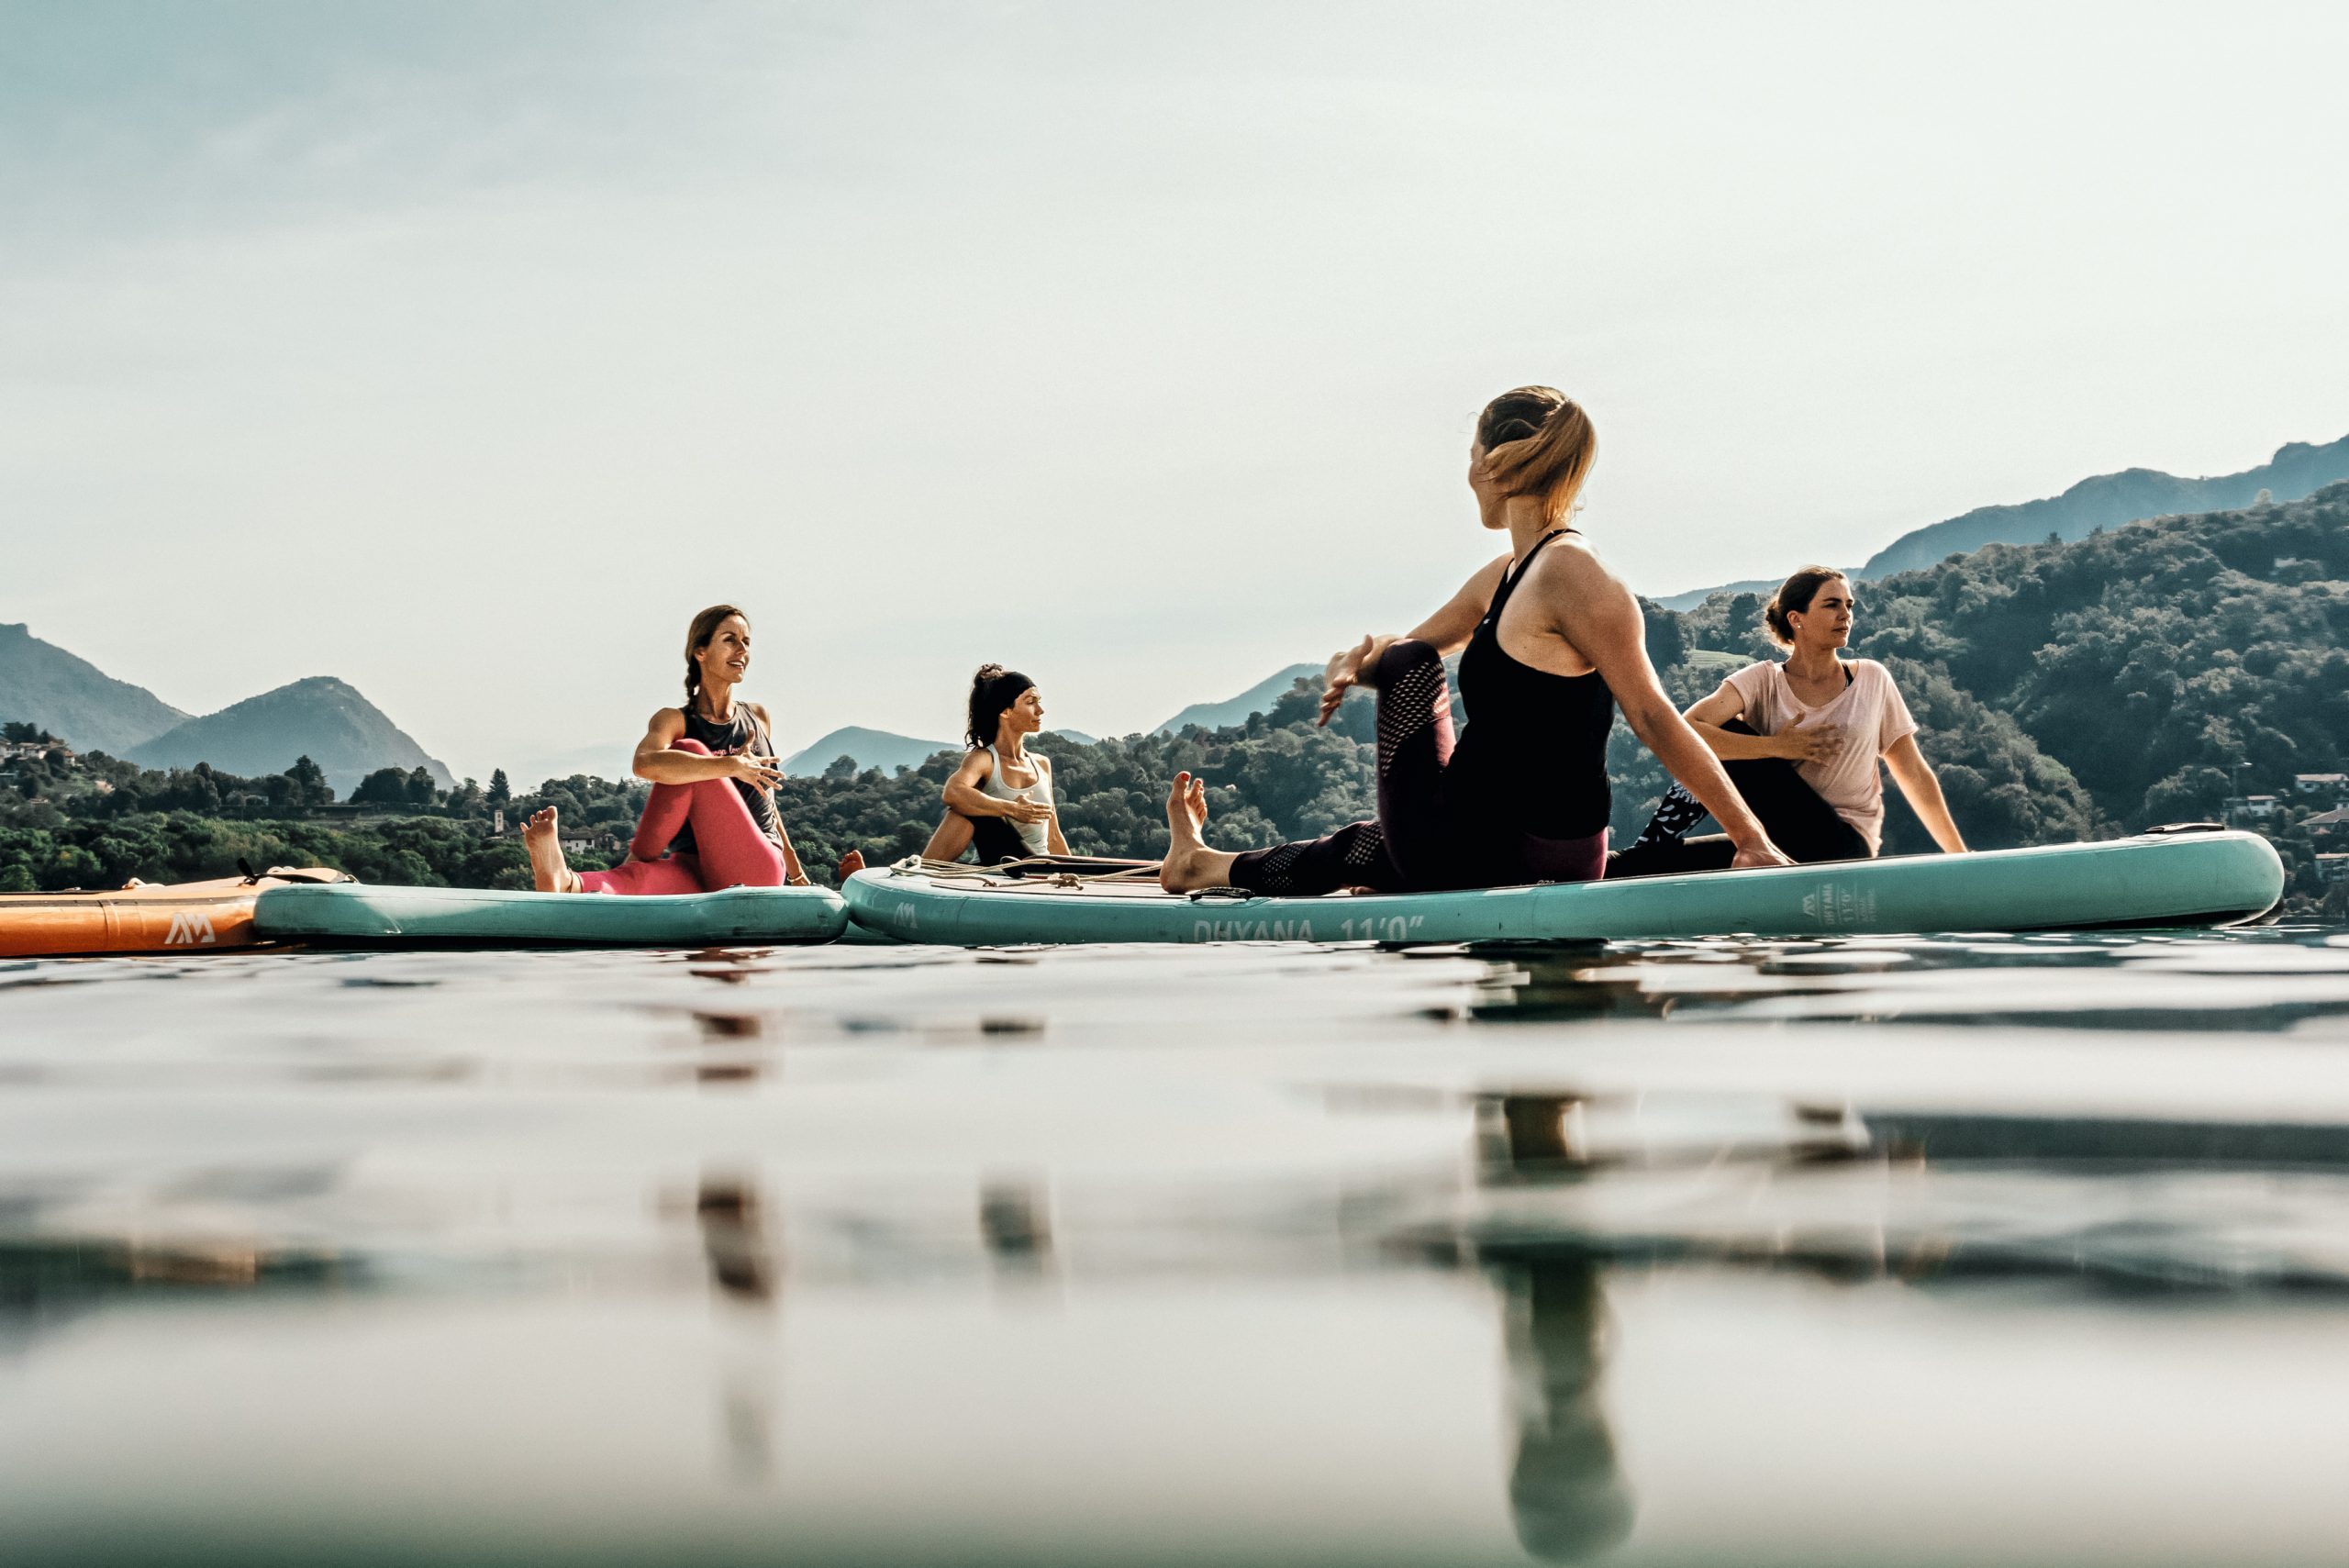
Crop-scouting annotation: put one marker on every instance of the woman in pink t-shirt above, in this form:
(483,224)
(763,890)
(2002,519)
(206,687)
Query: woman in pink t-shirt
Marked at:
(1801,739)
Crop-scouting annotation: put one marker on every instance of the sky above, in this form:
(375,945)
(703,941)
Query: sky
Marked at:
(465,351)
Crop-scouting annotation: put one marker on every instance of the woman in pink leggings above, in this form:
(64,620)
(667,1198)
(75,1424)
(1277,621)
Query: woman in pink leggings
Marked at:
(710,822)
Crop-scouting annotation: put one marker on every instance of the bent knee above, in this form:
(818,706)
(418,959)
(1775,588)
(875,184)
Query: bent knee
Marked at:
(688,743)
(1398,659)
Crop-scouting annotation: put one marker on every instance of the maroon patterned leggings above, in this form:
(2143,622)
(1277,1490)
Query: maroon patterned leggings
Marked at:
(1416,844)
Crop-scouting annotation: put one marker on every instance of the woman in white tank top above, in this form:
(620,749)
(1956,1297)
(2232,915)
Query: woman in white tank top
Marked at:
(1001,797)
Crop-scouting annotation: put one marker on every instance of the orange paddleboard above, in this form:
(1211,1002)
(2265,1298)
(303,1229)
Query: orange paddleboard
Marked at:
(141,916)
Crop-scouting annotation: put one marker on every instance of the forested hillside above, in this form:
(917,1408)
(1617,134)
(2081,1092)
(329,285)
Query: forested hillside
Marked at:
(2109,500)
(2065,691)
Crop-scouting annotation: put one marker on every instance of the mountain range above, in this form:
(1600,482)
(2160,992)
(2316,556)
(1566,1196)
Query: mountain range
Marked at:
(888,750)
(321,717)
(869,748)
(2107,501)
(1258,698)
(68,695)
(349,736)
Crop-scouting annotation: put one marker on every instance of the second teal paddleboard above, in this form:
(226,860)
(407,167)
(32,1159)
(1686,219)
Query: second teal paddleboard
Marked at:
(2192,879)
(357,914)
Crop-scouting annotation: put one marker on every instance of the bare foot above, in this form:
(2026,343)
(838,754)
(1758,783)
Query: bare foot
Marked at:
(1190,864)
(850,864)
(548,872)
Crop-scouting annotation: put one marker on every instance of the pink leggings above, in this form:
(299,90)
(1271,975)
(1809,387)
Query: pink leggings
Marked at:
(732,851)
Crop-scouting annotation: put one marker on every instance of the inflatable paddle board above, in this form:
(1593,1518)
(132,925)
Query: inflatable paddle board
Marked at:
(2186,878)
(141,916)
(361,916)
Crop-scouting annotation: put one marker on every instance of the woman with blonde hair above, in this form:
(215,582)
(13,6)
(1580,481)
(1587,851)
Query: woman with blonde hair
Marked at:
(711,821)
(1802,739)
(1551,641)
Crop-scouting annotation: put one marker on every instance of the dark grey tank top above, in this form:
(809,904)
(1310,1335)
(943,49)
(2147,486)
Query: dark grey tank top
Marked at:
(744,734)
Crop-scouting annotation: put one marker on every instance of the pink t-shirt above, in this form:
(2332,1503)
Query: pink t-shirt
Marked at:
(1870,713)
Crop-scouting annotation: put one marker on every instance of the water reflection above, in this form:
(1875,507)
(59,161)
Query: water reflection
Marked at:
(47,1282)
(1319,1259)
(2128,983)
(1014,1219)
(734,1240)
(1568,1496)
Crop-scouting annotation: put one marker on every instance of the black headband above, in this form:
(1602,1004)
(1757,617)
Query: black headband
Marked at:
(1003,691)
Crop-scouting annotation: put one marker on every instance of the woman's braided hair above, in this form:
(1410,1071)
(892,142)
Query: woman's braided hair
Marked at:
(697,637)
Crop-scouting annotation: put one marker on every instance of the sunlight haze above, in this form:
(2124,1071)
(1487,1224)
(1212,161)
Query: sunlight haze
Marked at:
(465,352)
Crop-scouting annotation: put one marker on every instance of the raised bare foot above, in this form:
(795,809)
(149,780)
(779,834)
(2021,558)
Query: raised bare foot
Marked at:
(548,872)
(850,864)
(1190,864)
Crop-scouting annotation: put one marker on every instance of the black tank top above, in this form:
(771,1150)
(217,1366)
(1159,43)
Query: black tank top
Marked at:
(744,733)
(1533,756)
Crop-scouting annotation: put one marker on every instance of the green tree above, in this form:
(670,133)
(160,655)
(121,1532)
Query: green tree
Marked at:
(309,782)
(384,786)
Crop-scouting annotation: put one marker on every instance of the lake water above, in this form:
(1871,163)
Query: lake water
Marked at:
(1953,1250)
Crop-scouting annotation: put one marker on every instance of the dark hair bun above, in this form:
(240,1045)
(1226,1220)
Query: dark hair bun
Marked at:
(993,689)
(1794,597)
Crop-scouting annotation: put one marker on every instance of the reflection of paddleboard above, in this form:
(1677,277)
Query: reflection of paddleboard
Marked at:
(175,917)
(359,915)
(2183,879)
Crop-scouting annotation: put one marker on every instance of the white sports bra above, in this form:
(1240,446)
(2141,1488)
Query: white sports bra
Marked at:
(1037,836)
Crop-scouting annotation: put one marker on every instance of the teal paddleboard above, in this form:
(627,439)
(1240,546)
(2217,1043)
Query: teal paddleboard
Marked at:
(362,915)
(2188,879)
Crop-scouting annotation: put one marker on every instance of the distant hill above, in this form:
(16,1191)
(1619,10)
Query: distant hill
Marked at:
(1688,601)
(2112,499)
(320,717)
(67,696)
(2108,501)
(612,760)
(869,748)
(1258,698)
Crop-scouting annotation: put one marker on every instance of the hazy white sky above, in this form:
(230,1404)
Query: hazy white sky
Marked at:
(465,351)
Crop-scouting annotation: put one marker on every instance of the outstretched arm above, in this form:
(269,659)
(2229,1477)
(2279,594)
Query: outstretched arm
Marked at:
(794,876)
(1447,631)
(1915,776)
(1602,620)
(1054,843)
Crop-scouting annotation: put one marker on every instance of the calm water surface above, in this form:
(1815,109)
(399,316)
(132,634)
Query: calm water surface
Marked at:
(1959,1249)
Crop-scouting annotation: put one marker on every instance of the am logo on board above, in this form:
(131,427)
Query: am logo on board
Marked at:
(190,929)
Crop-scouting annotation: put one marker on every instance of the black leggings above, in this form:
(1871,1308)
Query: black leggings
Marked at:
(1413,846)
(998,841)
(1797,820)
